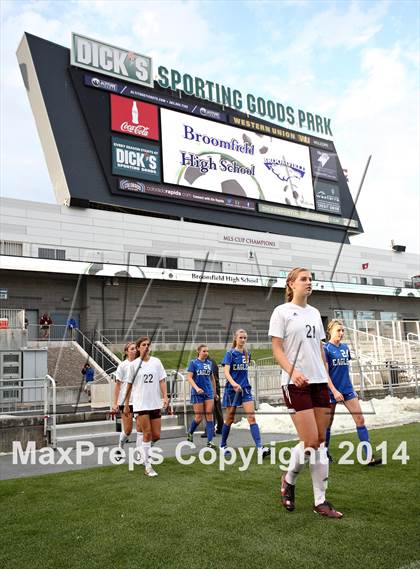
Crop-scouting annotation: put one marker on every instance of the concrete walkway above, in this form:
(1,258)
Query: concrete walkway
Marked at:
(10,468)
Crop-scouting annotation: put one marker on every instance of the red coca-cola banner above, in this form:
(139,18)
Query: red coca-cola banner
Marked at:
(134,117)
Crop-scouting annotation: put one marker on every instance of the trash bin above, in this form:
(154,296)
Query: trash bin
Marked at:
(394,371)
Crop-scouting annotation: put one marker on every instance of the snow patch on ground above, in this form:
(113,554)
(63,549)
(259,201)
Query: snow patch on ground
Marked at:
(377,413)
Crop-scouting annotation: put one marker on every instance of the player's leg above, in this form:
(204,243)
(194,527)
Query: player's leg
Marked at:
(146,427)
(320,464)
(353,405)
(305,425)
(227,423)
(208,409)
(198,408)
(127,426)
(156,424)
(328,431)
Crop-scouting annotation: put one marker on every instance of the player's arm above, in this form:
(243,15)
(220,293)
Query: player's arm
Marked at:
(117,390)
(230,379)
(190,378)
(163,391)
(213,382)
(337,395)
(130,379)
(296,376)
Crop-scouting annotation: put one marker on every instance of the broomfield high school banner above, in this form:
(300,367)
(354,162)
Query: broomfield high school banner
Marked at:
(198,153)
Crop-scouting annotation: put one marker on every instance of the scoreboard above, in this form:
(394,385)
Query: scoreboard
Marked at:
(138,147)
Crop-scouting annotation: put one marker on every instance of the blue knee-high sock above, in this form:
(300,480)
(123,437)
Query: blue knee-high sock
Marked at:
(193,426)
(255,432)
(225,434)
(210,430)
(327,437)
(363,435)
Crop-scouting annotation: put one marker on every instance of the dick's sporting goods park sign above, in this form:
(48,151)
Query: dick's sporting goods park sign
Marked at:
(136,68)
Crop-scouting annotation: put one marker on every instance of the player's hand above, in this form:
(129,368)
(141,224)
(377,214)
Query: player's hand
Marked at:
(199,391)
(216,397)
(115,408)
(126,409)
(165,402)
(337,395)
(299,379)
(237,387)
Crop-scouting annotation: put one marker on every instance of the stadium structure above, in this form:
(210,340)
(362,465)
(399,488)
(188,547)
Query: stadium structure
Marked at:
(180,215)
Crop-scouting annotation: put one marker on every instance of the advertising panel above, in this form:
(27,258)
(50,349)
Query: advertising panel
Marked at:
(111,60)
(324,164)
(327,197)
(136,159)
(198,153)
(185,194)
(133,117)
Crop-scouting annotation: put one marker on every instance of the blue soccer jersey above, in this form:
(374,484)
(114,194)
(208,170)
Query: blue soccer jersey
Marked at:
(338,358)
(238,362)
(202,371)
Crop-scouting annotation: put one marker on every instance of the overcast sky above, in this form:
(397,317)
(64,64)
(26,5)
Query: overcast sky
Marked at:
(355,62)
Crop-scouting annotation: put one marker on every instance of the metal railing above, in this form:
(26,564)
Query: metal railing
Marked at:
(31,396)
(12,318)
(129,260)
(389,376)
(159,336)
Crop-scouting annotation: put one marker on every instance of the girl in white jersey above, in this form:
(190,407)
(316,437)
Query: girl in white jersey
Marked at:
(147,381)
(296,330)
(130,354)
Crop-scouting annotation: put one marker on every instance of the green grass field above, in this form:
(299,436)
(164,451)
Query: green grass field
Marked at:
(170,359)
(197,516)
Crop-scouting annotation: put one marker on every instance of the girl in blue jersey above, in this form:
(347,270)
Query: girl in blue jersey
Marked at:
(338,356)
(238,390)
(203,393)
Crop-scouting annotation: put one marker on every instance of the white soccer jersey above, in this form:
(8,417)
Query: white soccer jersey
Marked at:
(145,379)
(121,375)
(301,330)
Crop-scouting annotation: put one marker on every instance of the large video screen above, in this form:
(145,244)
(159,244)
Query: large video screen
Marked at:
(202,154)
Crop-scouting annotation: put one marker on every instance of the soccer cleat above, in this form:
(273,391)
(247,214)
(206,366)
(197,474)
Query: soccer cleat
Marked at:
(211,444)
(287,494)
(190,437)
(148,471)
(330,458)
(328,510)
(226,452)
(374,461)
(264,452)
(119,454)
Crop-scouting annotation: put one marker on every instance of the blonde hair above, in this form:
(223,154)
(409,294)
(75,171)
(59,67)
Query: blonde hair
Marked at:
(199,348)
(125,350)
(333,324)
(291,277)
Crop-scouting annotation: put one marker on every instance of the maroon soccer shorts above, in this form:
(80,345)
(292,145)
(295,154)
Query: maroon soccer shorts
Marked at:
(307,397)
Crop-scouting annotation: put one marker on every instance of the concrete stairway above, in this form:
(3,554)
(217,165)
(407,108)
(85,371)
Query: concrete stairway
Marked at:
(104,432)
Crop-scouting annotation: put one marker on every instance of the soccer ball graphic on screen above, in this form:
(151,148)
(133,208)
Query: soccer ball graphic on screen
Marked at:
(217,180)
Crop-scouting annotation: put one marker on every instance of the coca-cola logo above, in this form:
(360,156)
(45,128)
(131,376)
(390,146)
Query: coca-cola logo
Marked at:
(139,130)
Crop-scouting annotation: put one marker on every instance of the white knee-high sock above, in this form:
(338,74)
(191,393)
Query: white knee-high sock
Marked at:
(139,440)
(319,474)
(146,452)
(297,463)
